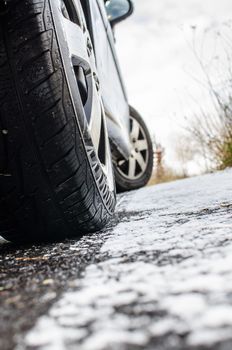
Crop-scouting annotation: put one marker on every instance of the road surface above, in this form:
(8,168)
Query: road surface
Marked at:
(159,277)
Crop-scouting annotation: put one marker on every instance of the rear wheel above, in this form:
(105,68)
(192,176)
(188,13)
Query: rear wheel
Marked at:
(136,171)
(56,177)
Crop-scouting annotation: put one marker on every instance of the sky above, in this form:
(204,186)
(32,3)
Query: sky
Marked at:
(156,51)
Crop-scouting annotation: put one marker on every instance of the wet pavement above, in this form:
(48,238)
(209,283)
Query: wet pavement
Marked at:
(159,277)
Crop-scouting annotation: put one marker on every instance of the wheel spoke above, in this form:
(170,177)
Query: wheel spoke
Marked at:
(76,44)
(95,123)
(141,145)
(132,167)
(121,162)
(141,161)
(135,130)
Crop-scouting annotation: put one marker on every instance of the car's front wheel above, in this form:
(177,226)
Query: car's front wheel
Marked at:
(56,177)
(135,172)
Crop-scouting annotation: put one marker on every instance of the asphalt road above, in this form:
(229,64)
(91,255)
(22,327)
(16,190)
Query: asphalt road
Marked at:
(158,277)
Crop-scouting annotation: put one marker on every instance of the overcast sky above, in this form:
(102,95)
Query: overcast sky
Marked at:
(154,48)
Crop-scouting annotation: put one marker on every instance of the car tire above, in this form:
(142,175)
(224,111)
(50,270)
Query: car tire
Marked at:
(135,172)
(56,176)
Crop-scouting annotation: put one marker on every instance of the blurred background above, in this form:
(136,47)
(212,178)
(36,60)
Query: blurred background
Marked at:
(176,59)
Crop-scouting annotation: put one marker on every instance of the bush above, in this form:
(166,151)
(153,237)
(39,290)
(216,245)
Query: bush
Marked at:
(168,175)
(212,131)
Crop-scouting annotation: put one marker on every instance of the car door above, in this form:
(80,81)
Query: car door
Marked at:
(113,92)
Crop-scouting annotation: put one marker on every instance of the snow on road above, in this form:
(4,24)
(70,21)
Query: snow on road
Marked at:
(163,278)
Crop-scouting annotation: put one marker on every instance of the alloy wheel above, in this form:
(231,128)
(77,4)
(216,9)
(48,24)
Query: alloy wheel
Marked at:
(80,52)
(136,165)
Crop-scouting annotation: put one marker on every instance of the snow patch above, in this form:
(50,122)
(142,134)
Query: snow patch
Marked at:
(164,270)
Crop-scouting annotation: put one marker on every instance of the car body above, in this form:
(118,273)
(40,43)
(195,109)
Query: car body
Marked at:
(112,86)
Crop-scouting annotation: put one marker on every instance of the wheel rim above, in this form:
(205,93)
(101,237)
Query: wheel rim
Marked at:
(135,167)
(72,29)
